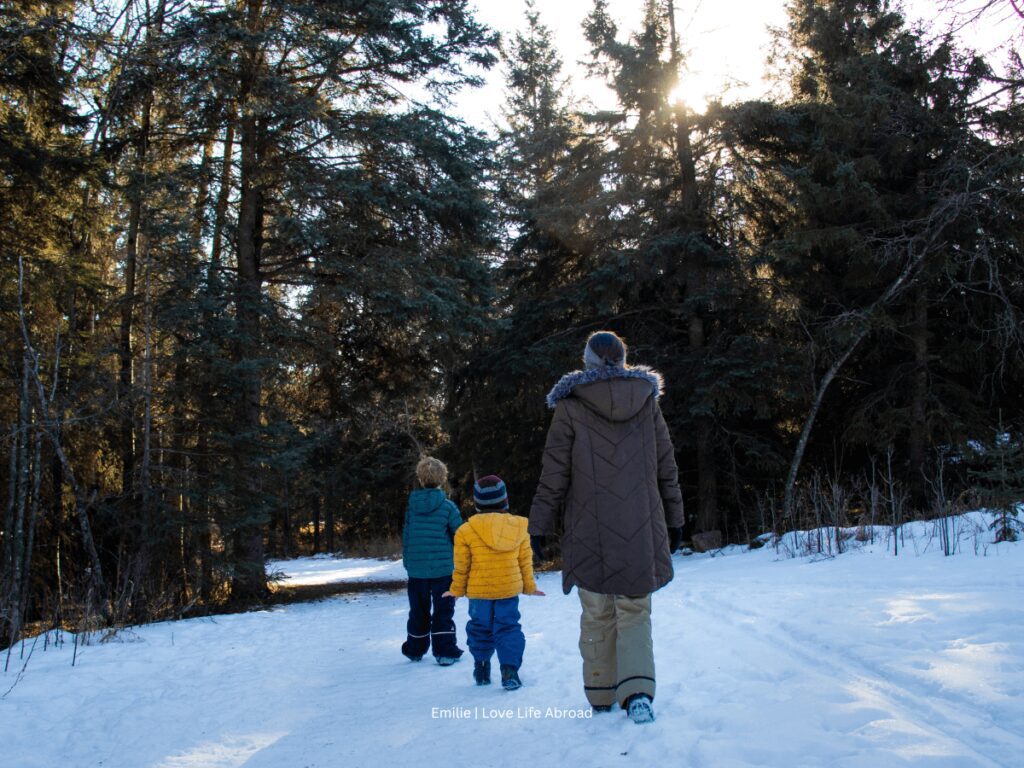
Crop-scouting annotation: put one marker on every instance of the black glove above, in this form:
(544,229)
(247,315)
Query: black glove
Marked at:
(537,545)
(675,538)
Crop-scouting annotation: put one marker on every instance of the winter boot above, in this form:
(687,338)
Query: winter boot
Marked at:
(447,661)
(482,672)
(639,709)
(510,678)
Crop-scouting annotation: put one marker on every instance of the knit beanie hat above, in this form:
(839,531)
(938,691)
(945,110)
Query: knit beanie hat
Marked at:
(604,349)
(489,493)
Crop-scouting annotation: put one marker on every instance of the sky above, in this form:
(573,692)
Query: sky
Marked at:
(726,42)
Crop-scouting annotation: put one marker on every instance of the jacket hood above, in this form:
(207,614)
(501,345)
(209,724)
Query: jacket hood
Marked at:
(501,531)
(615,393)
(423,501)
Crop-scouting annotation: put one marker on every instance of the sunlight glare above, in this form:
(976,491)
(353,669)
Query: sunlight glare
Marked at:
(691,93)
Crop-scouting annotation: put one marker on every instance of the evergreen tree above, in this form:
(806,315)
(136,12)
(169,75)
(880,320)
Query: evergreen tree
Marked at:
(688,297)
(50,282)
(225,168)
(343,197)
(999,480)
(244,280)
(547,182)
(871,184)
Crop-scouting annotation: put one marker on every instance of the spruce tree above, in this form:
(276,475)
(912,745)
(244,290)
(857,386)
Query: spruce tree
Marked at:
(999,480)
(687,289)
(870,186)
(345,197)
(51,288)
(547,194)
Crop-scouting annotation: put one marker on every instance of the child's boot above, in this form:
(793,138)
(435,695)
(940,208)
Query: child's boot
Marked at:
(510,678)
(482,672)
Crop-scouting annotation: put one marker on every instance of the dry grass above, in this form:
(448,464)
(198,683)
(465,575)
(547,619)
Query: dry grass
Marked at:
(282,595)
(385,548)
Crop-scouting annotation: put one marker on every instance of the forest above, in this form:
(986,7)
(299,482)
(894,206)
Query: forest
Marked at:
(253,265)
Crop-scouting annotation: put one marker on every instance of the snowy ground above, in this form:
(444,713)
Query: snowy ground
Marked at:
(763,660)
(324,569)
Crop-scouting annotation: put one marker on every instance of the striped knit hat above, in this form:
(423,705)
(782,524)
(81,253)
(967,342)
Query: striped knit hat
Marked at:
(489,493)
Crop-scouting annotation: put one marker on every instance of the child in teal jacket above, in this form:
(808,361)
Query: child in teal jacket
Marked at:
(431,520)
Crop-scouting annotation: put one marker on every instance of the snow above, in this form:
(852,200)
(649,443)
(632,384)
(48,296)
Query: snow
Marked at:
(324,569)
(863,660)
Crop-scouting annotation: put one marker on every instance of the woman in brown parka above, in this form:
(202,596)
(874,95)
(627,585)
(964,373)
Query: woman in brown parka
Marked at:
(609,476)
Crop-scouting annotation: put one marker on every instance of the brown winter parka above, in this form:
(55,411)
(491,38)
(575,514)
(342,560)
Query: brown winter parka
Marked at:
(609,472)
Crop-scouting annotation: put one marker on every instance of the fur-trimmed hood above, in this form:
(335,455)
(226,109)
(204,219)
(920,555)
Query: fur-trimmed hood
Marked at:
(640,374)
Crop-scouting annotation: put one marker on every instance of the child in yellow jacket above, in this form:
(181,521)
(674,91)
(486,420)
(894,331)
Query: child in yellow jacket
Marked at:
(493,565)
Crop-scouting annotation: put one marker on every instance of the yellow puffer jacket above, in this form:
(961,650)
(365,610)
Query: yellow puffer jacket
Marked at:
(493,559)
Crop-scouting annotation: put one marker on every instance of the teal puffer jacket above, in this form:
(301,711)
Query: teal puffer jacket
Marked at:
(431,520)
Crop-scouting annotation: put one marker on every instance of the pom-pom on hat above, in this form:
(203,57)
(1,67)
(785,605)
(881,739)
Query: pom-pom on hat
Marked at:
(489,493)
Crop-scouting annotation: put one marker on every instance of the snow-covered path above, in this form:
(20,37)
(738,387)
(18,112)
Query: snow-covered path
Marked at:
(862,660)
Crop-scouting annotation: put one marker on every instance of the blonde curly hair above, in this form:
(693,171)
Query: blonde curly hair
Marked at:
(431,472)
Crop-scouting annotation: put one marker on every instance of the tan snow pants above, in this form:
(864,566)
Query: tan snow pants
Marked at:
(616,646)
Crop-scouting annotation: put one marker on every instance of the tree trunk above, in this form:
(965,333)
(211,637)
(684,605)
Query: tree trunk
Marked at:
(250,574)
(220,212)
(212,291)
(132,243)
(125,353)
(286,522)
(9,571)
(17,534)
(125,350)
(96,568)
(37,481)
(50,424)
(707,483)
(316,523)
(330,501)
(147,554)
(12,499)
(696,283)
(205,522)
(202,197)
(917,443)
(789,496)
(903,281)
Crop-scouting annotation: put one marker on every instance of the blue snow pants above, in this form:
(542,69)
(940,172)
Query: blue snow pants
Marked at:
(494,626)
(426,629)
